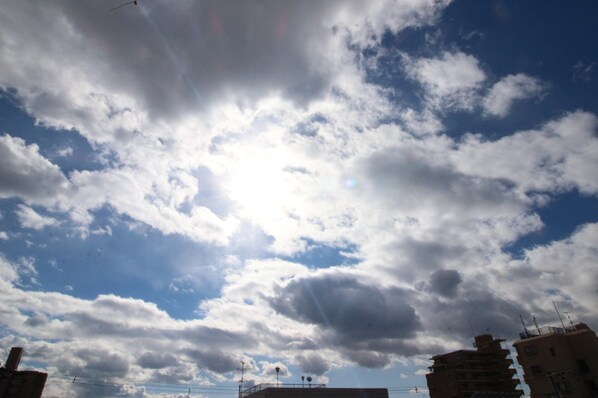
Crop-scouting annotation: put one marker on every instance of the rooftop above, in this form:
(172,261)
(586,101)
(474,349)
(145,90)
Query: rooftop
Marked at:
(549,330)
(263,386)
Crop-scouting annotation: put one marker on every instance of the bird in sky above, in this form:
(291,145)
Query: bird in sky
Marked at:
(134,2)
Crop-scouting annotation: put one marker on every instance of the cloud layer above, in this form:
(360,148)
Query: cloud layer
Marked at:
(256,131)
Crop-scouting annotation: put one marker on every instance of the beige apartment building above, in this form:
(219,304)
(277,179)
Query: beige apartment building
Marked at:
(486,371)
(560,362)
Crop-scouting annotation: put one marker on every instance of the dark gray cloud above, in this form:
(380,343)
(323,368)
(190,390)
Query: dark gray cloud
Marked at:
(174,375)
(352,310)
(368,359)
(97,362)
(213,359)
(422,256)
(476,310)
(154,360)
(37,320)
(445,282)
(408,180)
(212,337)
(179,59)
(24,172)
(312,364)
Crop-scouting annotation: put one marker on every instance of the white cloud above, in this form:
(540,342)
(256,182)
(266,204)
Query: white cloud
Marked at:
(504,93)
(170,103)
(3,235)
(29,218)
(214,131)
(65,152)
(8,272)
(451,81)
(563,271)
(421,372)
(558,156)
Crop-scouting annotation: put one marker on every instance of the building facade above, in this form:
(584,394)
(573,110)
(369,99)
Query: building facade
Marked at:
(559,362)
(484,372)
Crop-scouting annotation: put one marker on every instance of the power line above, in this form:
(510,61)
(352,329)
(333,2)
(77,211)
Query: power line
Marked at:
(90,382)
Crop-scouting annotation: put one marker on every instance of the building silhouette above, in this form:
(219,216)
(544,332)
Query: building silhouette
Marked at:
(20,384)
(311,391)
(559,362)
(484,372)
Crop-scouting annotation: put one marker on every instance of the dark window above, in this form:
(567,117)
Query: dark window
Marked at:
(536,369)
(529,349)
(553,352)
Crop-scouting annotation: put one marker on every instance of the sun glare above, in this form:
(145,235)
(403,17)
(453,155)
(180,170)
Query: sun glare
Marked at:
(259,185)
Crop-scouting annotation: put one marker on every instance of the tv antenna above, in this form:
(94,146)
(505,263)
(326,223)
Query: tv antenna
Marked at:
(242,374)
(569,318)
(536,323)
(524,328)
(134,2)
(559,315)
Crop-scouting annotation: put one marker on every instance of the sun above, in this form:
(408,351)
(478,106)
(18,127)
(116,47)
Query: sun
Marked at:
(259,184)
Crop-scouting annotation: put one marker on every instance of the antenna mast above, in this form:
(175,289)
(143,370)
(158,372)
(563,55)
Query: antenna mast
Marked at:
(242,374)
(569,318)
(559,315)
(537,327)
(524,328)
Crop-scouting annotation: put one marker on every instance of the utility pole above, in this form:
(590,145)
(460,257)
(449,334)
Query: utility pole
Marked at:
(242,374)
(277,370)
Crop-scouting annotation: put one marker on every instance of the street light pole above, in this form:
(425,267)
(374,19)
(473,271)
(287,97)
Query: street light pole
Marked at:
(277,370)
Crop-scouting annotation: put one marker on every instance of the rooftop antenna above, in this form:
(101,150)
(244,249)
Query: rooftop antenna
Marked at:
(537,327)
(242,374)
(559,315)
(524,328)
(472,333)
(568,317)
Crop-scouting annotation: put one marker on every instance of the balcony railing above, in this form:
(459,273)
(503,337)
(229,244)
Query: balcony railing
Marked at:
(545,330)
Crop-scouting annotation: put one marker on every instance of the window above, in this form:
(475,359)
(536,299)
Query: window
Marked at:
(552,352)
(529,349)
(536,369)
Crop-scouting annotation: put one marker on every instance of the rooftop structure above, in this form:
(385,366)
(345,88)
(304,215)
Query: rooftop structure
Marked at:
(20,384)
(485,372)
(311,391)
(559,362)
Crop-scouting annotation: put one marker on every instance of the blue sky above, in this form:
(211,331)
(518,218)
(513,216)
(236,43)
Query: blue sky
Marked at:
(340,189)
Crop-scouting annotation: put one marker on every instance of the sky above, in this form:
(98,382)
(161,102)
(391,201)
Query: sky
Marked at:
(340,189)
